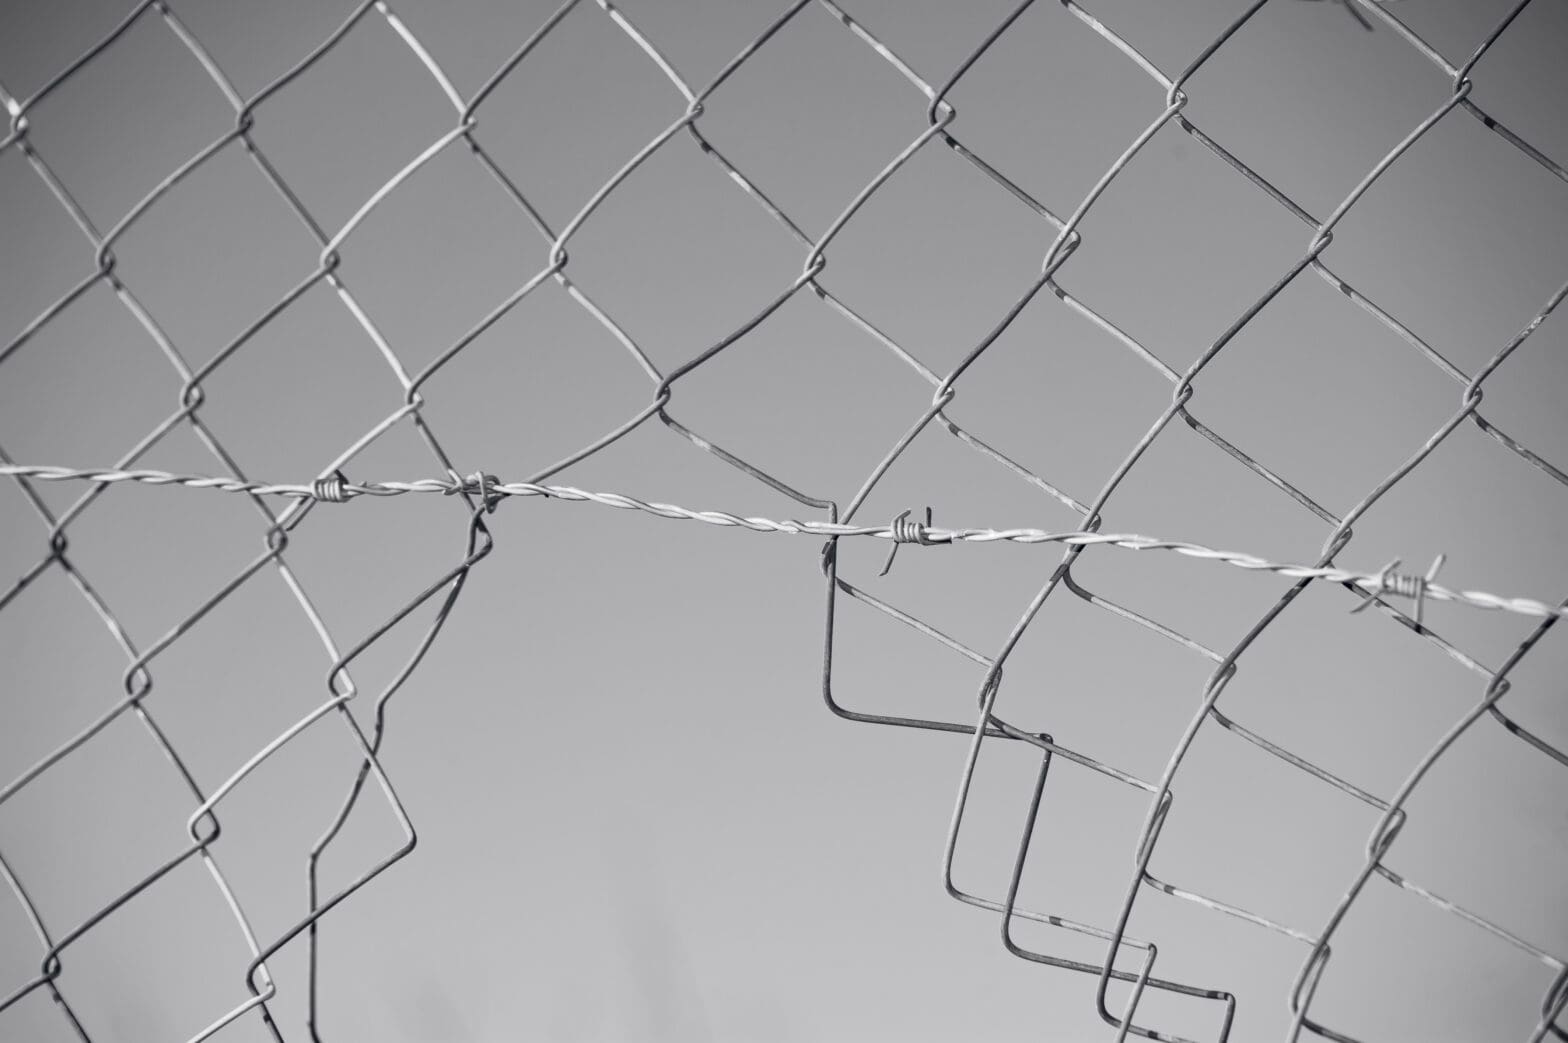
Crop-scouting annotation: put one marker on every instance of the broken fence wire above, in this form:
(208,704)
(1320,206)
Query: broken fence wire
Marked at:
(932,96)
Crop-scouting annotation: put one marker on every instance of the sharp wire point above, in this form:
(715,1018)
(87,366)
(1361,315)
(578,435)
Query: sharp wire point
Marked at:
(1381,580)
(901,530)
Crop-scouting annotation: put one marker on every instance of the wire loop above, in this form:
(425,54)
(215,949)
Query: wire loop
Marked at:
(484,485)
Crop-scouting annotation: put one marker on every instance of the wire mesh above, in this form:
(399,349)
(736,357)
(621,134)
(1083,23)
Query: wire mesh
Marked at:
(282,508)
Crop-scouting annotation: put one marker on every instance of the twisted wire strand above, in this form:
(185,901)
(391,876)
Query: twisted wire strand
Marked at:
(337,489)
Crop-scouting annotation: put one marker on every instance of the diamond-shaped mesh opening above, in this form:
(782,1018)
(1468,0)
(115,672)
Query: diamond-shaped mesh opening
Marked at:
(674,293)
(1065,686)
(812,82)
(350,120)
(573,111)
(245,391)
(1493,201)
(551,380)
(1351,96)
(113,808)
(1025,93)
(1307,335)
(124,121)
(450,228)
(215,254)
(976,251)
(1181,248)
(866,405)
(1094,398)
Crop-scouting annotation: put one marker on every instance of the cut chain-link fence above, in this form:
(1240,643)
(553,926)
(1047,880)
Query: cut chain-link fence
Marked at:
(283,503)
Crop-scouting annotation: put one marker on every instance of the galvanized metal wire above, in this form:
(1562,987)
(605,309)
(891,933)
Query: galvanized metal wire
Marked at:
(336,488)
(481,493)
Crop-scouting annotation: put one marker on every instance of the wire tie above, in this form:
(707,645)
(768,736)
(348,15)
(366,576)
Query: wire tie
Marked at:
(484,484)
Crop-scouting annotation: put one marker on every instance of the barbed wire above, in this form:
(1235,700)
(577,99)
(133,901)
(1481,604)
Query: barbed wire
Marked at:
(337,489)
(481,492)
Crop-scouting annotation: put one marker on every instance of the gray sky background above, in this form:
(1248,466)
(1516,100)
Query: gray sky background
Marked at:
(637,819)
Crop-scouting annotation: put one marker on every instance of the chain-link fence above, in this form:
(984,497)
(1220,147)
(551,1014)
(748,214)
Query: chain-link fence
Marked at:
(1127,974)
